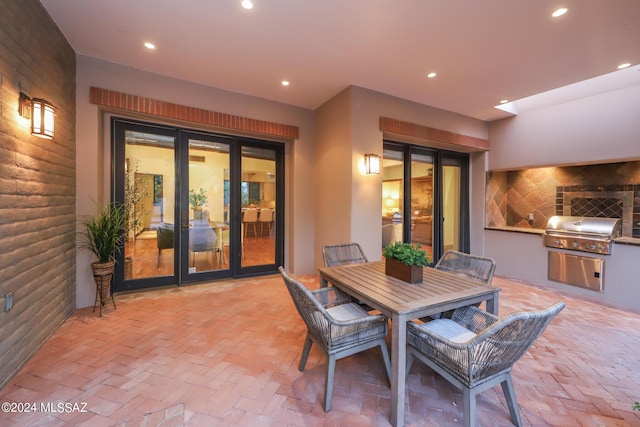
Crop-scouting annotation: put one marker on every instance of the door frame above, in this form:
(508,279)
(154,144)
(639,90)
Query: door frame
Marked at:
(440,158)
(119,125)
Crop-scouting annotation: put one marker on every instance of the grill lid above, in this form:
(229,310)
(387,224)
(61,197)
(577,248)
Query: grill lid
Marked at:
(608,228)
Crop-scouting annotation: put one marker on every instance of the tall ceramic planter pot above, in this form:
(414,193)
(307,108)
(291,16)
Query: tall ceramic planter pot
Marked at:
(103,275)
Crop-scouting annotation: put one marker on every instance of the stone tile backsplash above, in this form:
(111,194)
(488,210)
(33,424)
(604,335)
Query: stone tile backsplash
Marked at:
(608,190)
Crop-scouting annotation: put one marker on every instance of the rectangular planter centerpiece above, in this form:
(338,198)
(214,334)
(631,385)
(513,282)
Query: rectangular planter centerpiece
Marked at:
(408,273)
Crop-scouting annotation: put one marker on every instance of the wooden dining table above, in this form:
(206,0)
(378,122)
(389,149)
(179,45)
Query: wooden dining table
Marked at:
(401,302)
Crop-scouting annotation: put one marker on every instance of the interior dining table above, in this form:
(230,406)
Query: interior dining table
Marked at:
(438,292)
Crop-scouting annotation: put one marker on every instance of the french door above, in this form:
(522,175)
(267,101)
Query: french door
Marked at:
(425,198)
(199,205)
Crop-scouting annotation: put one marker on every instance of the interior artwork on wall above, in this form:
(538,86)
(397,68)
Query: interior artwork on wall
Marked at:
(422,196)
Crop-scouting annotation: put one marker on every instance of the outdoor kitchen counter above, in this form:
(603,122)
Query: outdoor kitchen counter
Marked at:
(632,241)
(521,255)
(539,231)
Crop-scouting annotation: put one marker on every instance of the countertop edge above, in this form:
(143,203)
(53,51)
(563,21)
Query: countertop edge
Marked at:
(631,241)
(518,230)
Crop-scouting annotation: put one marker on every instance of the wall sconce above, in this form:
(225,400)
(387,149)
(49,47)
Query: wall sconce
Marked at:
(42,115)
(372,164)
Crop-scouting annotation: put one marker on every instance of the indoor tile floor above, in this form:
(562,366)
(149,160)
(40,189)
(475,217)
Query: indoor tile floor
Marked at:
(226,354)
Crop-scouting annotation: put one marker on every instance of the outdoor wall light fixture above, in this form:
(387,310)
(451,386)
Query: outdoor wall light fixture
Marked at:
(42,115)
(372,164)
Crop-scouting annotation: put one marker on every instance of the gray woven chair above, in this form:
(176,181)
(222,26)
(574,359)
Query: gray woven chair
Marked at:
(475,350)
(337,326)
(342,254)
(471,266)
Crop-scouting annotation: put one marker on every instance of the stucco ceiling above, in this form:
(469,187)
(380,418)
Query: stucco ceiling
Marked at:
(483,51)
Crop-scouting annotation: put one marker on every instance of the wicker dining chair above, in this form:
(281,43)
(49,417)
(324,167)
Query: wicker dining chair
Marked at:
(471,266)
(338,327)
(342,254)
(475,350)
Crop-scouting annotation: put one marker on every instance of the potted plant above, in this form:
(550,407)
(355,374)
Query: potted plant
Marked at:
(197,201)
(103,235)
(405,261)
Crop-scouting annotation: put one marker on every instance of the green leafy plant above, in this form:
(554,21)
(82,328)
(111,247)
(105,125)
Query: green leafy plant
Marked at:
(636,406)
(197,200)
(104,232)
(134,193)
(407,254)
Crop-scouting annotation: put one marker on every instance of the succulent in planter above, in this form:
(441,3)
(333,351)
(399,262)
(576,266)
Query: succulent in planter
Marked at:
(407,254)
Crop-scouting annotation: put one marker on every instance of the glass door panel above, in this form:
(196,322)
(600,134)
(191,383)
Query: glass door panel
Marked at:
(451,208)
(149,198)
(422,196)
(258,206)
(392,196)
(208,230)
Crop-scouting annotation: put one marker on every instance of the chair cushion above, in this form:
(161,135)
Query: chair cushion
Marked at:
(348,311)
(449,329)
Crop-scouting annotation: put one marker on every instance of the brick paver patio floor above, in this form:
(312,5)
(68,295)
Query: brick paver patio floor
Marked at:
(226,354)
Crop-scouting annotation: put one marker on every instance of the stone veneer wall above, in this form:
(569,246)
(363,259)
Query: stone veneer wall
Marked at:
(512,195)
(37,184)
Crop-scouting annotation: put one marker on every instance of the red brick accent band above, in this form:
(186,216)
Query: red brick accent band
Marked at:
(432,134)
(154,107)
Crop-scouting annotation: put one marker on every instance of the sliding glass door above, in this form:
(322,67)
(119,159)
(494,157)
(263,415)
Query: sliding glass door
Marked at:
(425,198)
(203,226)
(422,197)
(186,194)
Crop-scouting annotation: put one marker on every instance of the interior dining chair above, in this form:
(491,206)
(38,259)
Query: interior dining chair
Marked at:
(220,244)
(202,238)
(338,327)
(250,217)
(265,217)
(475,350)
(342,254)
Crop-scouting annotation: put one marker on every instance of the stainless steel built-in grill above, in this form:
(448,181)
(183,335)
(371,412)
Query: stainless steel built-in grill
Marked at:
(584,234)
(574,233)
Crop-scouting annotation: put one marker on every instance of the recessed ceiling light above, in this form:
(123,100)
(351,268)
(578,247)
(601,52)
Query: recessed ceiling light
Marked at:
(559,12)
(625,65)
(285,83)
(247,4)
(149,45)
(504,101)
(431,75)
